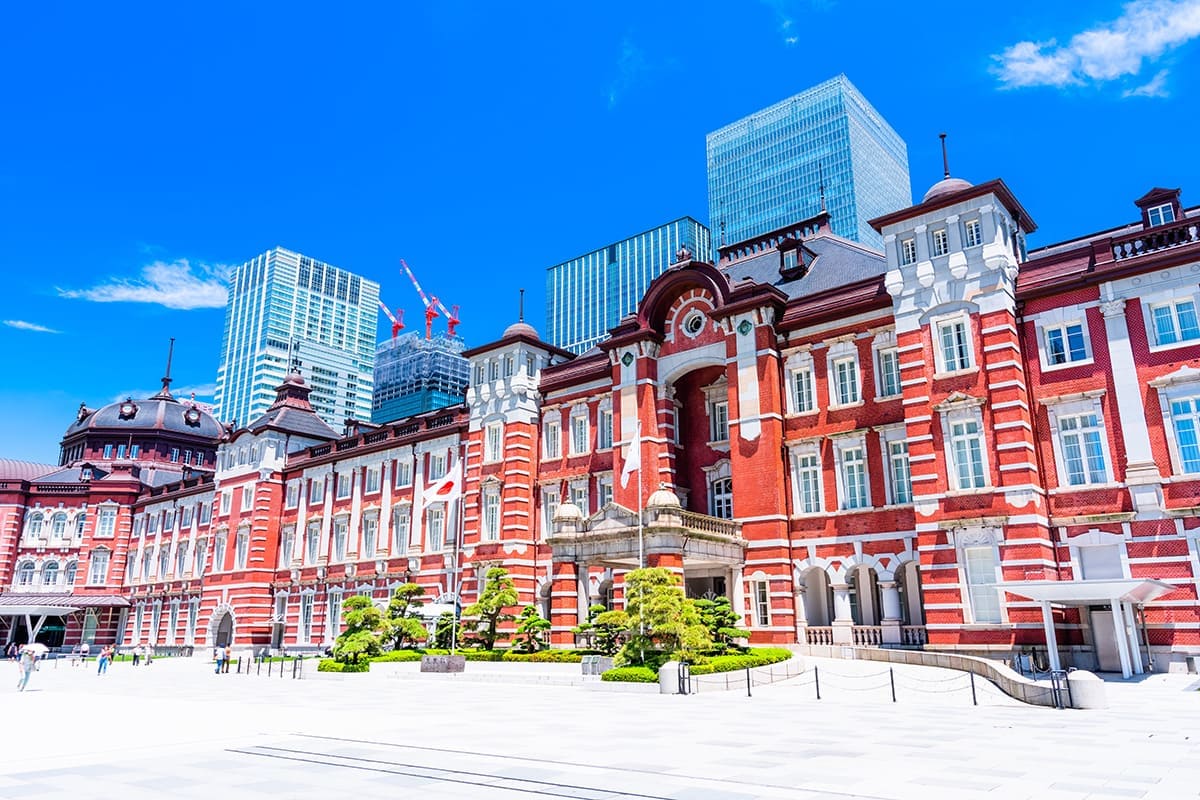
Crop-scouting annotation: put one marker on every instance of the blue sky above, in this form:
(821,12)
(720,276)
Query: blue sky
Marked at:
(147,148)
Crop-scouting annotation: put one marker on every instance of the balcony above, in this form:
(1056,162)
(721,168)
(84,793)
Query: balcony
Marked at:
(868,635)
(1155,240)
(610,537)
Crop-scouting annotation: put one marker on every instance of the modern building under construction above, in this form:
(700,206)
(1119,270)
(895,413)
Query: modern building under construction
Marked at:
(415,374)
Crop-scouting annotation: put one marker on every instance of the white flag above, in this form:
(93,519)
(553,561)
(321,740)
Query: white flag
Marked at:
(446,490)
(633,457)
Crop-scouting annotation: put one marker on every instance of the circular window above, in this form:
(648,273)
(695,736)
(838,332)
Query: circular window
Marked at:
(693,323)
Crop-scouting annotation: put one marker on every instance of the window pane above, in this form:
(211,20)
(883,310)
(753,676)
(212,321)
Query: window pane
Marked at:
(1078,348)
(1188,327)
(1164,325)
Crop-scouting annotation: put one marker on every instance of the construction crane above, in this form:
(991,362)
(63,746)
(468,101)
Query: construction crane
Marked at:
(397,324)
(451,316)
(431,313)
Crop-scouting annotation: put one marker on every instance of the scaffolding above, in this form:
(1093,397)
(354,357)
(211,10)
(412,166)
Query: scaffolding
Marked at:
(414,374)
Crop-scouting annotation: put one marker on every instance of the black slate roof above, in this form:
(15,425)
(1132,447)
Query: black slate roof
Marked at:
(838,262)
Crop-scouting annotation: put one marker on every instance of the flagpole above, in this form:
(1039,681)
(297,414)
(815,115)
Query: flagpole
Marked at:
(462,471)
(641,541)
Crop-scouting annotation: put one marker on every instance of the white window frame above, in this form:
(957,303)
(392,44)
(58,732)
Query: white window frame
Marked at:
(435,513)
(312,543)
(972,233)
(897,466)
(99,556)
(551,500)
(580,431)
(1070,411)
(808,481)
(551,439)
(241,553)
(1061,324)
(939,241)
(1162,212)
(604,490)
(1173,303)
(287,543)
(106,522)
(370,535)
(1180,387)
(968,579)
(340,536)
(404,473)
(718,422)
(760,595)
(226,500)
(850,453)
(248,498)
(343,485)
(956,411)
(438,464)
(937,326)
(802,383)
(578,493)
(402,527)
(842,361)
(333,614)
(490,514)
(493,442)
(604,428)
(884,350)
(316,490)
(907,249)
(305,626)
(219,545)
(372,479)
(720,503)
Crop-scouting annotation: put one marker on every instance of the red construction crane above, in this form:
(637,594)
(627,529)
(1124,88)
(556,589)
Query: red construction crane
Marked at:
(397,324)
(430,312)
(451,316)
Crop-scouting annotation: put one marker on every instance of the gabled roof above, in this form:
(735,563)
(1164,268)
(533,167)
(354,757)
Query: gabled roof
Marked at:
(838,262)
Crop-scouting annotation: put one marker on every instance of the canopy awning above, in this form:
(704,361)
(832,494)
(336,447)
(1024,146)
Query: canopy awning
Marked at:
(36,611)
(22,604)
(1085,593)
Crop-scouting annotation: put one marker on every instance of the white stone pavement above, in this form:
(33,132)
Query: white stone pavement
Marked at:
(176,730)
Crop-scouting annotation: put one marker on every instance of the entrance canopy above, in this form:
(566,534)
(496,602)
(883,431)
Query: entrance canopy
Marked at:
(33,604)
(1088,593)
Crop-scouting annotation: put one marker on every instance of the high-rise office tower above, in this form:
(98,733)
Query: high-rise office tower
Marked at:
(414,374)
(588,295)
(765,171)
(287,307)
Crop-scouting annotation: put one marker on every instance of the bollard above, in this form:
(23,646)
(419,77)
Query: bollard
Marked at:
(269,665)
(817,681)
(258,669)
(974,699)
(892,678)
(748,682)
(293,669)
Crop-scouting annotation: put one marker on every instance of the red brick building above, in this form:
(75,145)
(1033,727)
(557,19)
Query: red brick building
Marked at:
(949,444)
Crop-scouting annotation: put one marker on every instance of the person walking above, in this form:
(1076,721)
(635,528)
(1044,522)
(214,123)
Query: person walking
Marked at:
(13,651)
(25,664)
(137,655)
(105,657)
(219,658)
(228,658)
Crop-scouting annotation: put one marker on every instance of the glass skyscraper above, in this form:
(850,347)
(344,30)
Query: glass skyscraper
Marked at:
(282,306)
(588,295)
(765,170)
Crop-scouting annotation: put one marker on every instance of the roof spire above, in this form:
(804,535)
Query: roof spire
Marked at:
(521,307)
(945,161)
(165,391)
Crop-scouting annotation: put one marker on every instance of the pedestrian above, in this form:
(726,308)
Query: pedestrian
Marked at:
(105,657)
(228,658)
(137,654)
(219,658)
(25,664)
(149,653)
(12,650)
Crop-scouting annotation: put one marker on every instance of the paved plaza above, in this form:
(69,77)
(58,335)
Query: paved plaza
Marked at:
(176,730)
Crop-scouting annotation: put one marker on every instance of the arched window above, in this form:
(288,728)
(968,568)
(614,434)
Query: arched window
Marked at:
(35,525)
(721,498)
(69,574)
(80,522)
(58,525)
(50,573)
(25,574)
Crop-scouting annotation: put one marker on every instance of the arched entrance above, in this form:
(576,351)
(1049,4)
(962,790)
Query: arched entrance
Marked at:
(225,631)
(221,627)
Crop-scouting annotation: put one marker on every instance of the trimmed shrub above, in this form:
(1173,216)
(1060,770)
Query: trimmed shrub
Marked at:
(547,656)
(332,665)
(757,657)
(398,655)
(630,675)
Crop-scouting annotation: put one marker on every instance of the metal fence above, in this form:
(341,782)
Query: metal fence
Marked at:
(269,666)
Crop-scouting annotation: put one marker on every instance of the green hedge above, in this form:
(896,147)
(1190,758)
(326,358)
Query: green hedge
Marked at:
(547,656)
(630,675)
(757,657)
(542,656)
(331,665)
(398,655)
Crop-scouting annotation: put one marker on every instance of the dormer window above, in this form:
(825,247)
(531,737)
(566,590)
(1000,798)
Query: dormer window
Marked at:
(1160,215)
(790,260)
(794,259)
(128,409)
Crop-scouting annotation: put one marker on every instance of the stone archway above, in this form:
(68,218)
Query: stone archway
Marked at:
(222,626)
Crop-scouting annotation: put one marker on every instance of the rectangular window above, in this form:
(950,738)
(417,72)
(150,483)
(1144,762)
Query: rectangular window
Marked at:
(435,526)
(901,477)
(174,455)
(1082,449)
(306,617)
(719,422)
(287,543)
(97,567)
(492,442)
(551,447)
(1161,215)
(404,473)
(941,242)
(604,429)
(802,390)
(908,251)
(1175,322)
(808,483)
(293,495)
(192,619)
(108,451)
(854,478)
(201,556)
(889,372)
(312,542)
(152,525)
(972,235)
(186,517)
(604,488)
(967,444)
(845,376)
(344,481)
(579,496)
(136,450)
(370,528)
(247,498)
(491,516)
(549,509)
(762,604)
(334,621)
(373,479)
(981,580)
(437,466)
(120,451)
(226,500)
(219,553)
(579,434)
(107,525)
(1186,416)
(401,528)
(339,540)
(243,549)
(1065,343)
(954,345)
(316,491)
(205,513)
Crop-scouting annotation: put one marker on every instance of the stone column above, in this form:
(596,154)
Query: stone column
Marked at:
(843,618)
(890,594)
(1135,651)
(354,534)
(1118,613)
(564,591)
(799,603)
(326,518)
(383,534)
(1051,637)
(737,591)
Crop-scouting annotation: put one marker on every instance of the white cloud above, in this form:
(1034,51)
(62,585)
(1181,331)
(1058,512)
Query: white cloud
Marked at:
(22,325)
(1155,87)
(631,65)
(1145,31)
(175,285)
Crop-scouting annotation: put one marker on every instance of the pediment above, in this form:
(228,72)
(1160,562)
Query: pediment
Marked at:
(612,517)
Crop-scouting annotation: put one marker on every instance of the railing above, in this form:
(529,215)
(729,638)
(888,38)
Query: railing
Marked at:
(347,444)
(408,430)
(60,488)
(703,523)
(1184,232)
(819,635)
(375,436)
(319,450)
(914,635)
(439,422)
(867,635)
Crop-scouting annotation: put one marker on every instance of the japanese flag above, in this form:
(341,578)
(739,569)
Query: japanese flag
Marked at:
(633,456)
